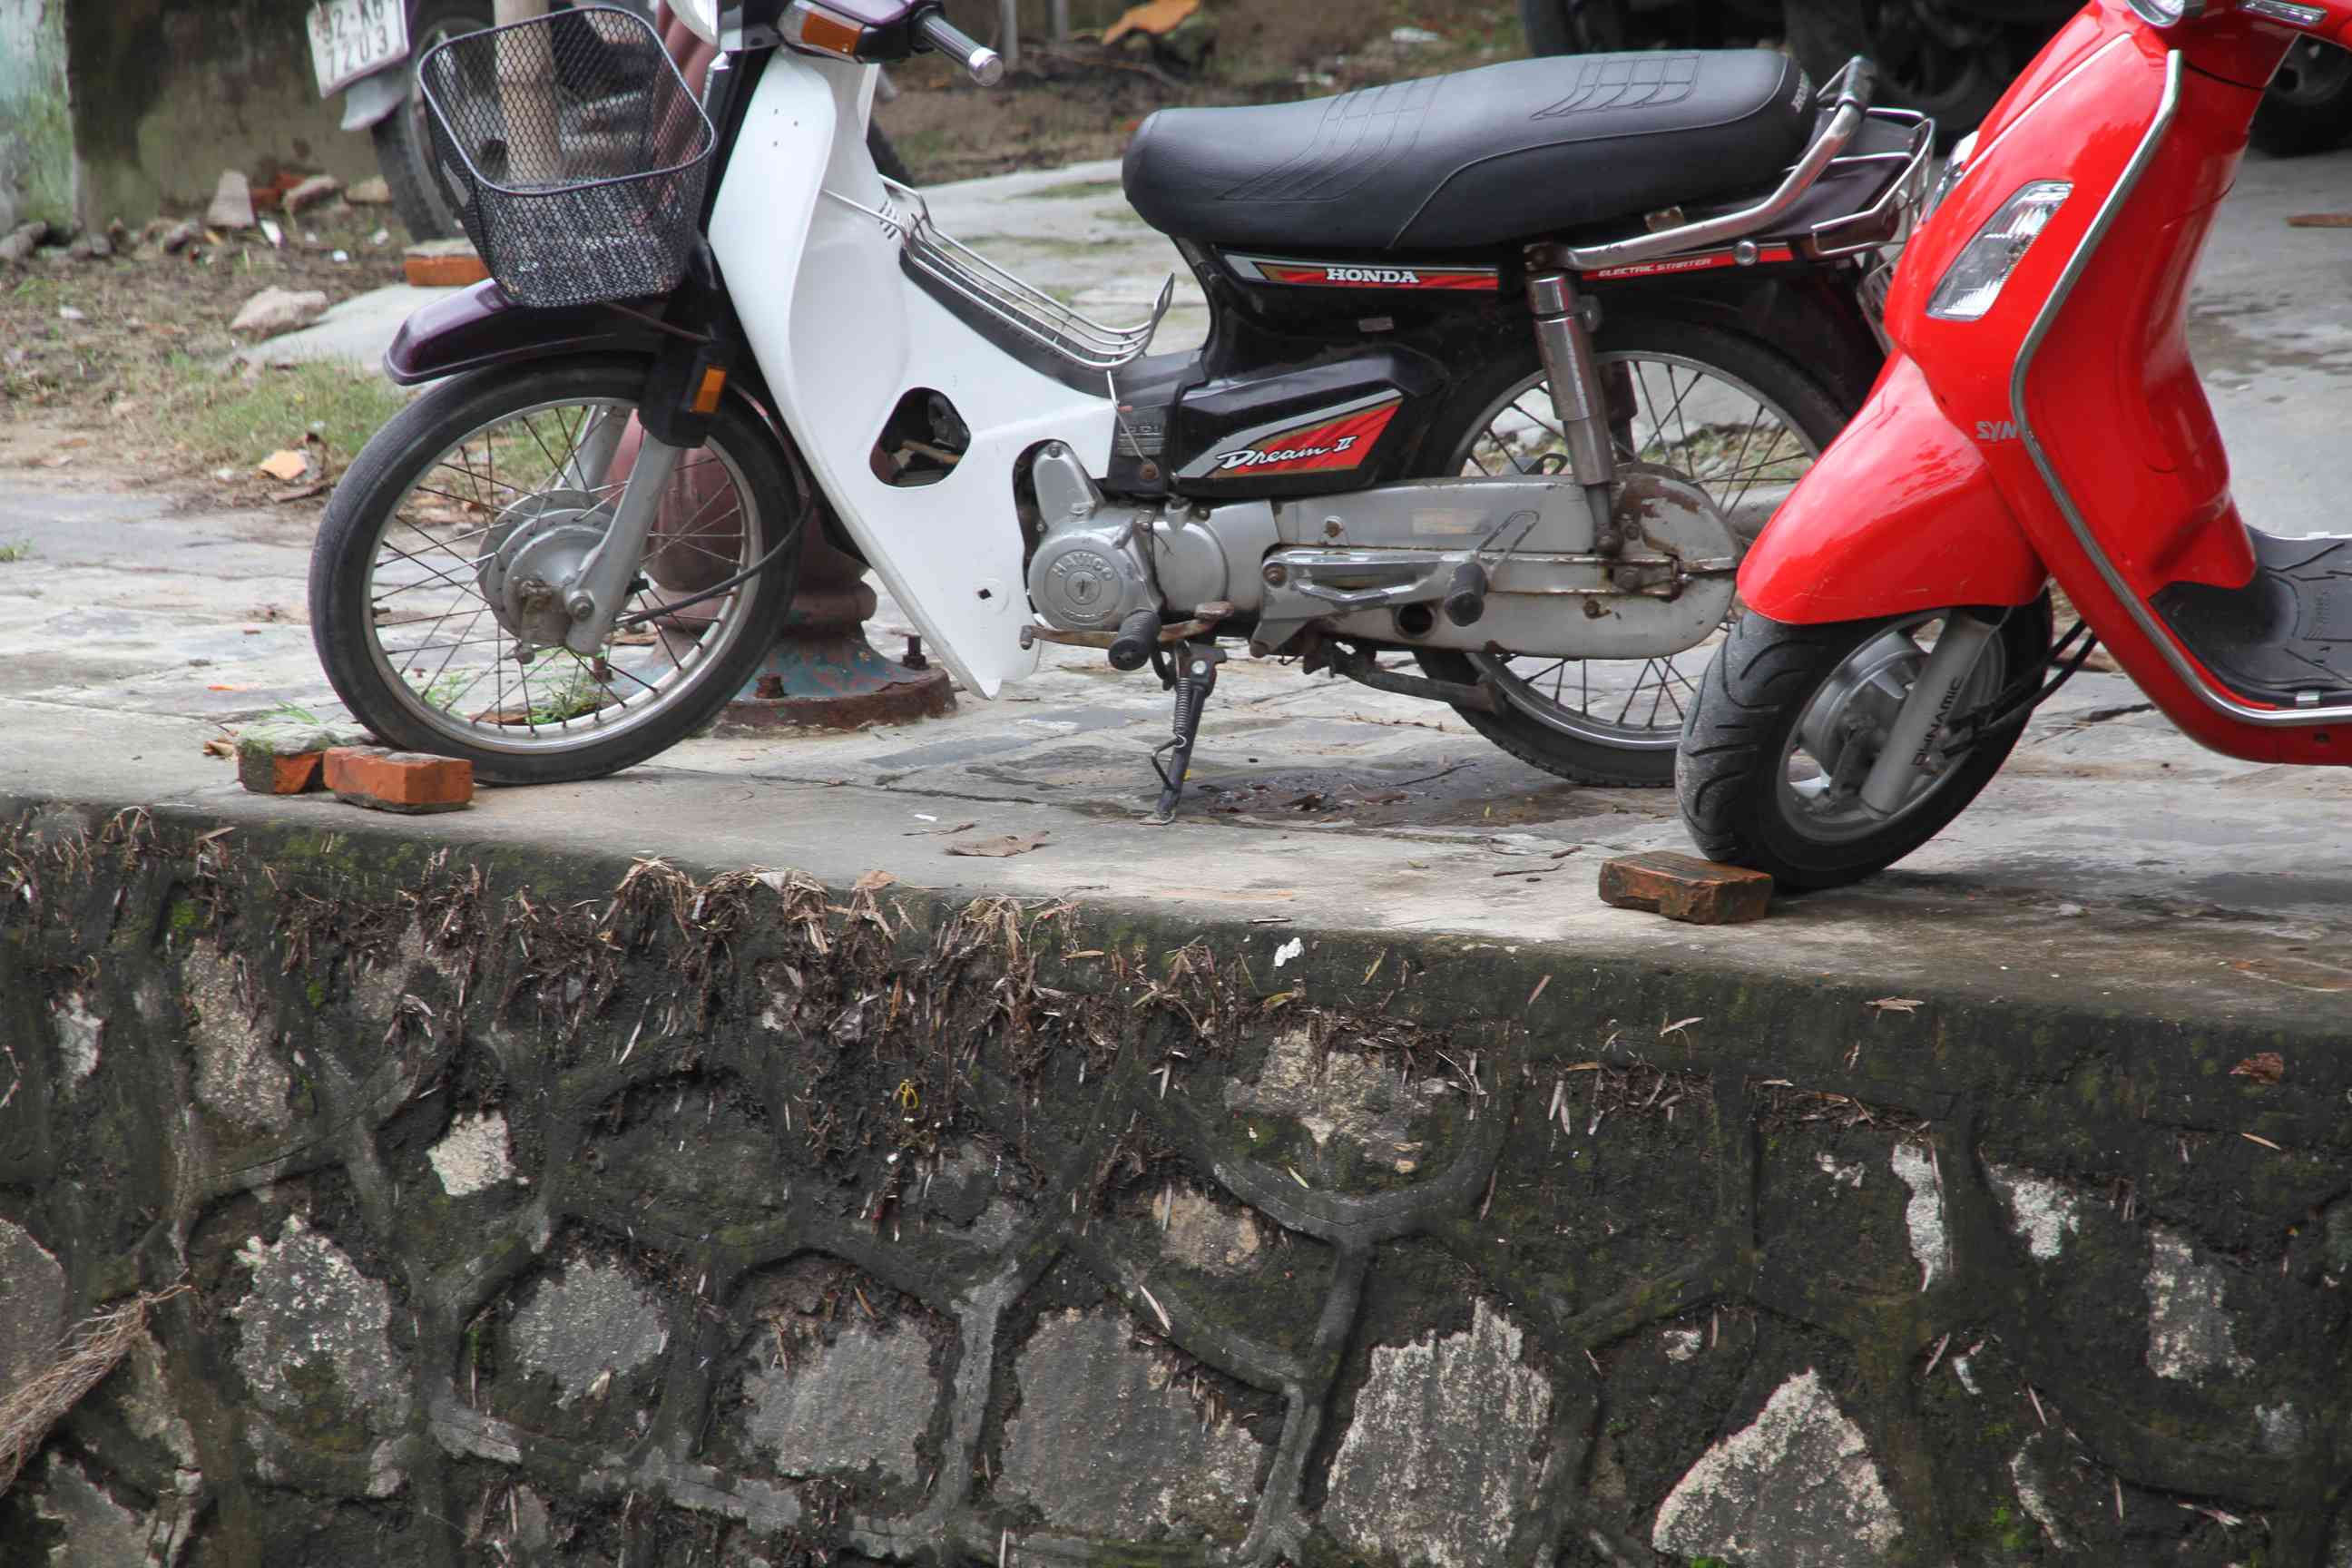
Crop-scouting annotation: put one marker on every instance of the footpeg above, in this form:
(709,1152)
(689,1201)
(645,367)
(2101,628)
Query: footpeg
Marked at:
(1465,595)
(1196,678)
(1139,637)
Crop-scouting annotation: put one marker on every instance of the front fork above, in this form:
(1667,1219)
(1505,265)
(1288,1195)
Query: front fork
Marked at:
(1564,323)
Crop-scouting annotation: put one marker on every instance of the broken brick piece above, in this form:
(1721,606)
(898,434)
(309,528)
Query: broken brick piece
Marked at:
(443,264)
(409,782)
(264,772)
(1681,888)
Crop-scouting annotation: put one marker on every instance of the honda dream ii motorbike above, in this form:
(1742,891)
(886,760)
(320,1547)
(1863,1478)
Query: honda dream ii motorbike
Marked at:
(2039,419)
(1504,368)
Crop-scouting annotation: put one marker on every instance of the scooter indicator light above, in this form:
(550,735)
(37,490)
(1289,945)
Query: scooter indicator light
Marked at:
(1974,280)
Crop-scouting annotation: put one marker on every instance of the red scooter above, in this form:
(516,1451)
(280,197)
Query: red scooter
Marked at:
(2039,419)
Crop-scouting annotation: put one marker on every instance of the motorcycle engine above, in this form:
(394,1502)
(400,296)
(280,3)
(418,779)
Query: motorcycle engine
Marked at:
(1089,574)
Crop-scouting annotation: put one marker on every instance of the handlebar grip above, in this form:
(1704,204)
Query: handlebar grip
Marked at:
(986,66)
(1138,635)
(1465,595)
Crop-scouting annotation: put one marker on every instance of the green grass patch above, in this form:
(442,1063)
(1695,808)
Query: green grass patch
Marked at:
(22,550)
(226,418)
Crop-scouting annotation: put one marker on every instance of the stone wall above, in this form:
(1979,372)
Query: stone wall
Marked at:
(536,1211)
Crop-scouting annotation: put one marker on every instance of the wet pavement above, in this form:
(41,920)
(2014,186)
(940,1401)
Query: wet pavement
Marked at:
(141,622)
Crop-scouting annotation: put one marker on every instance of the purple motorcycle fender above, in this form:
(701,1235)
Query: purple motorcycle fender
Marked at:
(482,326)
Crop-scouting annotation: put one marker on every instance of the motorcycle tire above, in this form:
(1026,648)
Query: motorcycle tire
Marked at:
(404,141)
(407,460)
(1823,34)
(886,156)
(1731,772)
(1807,405)
(2308,107)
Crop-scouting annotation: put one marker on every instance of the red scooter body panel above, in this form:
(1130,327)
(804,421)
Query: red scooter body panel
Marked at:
(2111,396)
(1933,528)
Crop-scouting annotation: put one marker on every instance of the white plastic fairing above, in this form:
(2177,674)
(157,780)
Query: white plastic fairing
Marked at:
(842,335)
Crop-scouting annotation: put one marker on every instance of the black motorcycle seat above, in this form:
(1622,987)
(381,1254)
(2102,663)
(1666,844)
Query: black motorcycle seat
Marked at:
(1478,157)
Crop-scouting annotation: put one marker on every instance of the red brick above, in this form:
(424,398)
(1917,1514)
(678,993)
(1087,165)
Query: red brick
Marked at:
(264,774)
(410,781)
(1682,887)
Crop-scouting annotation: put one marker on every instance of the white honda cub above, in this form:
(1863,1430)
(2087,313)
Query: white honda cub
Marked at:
(1505,368)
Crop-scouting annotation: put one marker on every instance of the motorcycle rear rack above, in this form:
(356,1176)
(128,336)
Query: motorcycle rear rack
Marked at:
(1022,307)
(1879,224)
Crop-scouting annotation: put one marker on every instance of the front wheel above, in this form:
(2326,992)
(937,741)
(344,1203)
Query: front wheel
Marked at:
(427,578)
(1788,720)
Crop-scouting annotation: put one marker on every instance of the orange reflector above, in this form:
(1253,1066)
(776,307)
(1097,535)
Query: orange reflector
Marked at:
(706,401)
(814,29)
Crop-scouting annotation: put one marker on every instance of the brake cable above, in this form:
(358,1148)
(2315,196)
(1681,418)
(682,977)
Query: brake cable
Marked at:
(2016,705)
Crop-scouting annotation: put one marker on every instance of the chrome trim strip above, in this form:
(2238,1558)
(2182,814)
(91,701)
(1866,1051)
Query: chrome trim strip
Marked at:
(2157,632)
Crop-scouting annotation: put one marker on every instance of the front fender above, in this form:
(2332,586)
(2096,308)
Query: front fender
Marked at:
(1899,515)
(374,98)
(480,326)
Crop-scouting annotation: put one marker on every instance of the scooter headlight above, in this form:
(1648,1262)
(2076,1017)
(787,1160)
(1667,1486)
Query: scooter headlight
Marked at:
(701,16)
(1974,282)
(2165,13)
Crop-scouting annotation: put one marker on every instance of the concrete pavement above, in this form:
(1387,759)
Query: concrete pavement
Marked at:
(142,621)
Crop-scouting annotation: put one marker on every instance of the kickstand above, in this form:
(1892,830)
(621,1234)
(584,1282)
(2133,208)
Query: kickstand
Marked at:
(1196,677)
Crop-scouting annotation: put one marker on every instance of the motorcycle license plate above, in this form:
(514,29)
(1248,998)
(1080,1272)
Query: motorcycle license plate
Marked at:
(349,39)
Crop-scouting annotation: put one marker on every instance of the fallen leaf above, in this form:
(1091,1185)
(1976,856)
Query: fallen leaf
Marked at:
(1896,1003)
(1154,17)
(1002,848)
(2266,1067)
(286,465)
(302,492)
(873,882)
(1539,990)
(1676,1028)
(2258,1138)
(2320,220)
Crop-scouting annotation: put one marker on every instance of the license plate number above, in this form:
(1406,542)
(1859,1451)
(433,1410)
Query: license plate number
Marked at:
(349,39)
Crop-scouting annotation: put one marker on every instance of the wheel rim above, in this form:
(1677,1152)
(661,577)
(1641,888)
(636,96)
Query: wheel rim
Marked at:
(1837,738)
(448,654)
(1714,429)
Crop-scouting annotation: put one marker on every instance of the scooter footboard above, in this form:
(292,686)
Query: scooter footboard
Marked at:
(1900,514)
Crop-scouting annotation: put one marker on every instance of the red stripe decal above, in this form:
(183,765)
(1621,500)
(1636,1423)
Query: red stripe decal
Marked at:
(1705,261)
(1342,443)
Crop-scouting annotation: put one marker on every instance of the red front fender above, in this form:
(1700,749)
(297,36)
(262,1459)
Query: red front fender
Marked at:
(1899,515)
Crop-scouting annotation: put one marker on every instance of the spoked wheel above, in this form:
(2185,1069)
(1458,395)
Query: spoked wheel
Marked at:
(429,580)
(1790,720)
(1731,416)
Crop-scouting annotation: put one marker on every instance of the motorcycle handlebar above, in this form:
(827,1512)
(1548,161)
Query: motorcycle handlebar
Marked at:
(986,66)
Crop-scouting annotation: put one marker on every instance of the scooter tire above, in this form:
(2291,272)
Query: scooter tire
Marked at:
(1728,770)
(402,454)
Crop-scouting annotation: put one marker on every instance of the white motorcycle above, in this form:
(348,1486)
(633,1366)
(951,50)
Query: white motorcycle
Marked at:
(1504,369)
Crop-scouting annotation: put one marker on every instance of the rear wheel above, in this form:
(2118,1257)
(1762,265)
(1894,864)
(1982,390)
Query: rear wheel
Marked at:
(2308,107)
(431,554)
(1931,57)
(1788,721)
(1732,417)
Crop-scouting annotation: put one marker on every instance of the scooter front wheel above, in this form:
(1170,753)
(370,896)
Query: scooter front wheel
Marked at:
(1788,719)
(495,484)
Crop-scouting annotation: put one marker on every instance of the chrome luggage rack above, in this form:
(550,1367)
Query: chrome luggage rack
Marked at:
(1882,223)
(1025,308)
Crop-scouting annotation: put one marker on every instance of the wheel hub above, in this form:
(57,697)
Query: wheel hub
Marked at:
(533,553)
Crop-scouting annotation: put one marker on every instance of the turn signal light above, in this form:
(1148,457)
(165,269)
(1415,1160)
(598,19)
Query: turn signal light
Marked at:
(813,29)
(1974,280)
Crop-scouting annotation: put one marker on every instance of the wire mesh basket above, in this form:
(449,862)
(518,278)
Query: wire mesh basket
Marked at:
(574,152)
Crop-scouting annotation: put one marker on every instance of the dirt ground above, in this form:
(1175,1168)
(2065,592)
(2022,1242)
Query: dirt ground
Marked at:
(1080,100)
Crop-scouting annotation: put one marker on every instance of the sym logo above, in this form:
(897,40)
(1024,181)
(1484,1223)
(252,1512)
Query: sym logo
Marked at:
(1371,275)
(1996,430)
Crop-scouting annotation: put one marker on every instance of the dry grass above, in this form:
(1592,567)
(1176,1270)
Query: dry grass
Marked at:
(90,1354)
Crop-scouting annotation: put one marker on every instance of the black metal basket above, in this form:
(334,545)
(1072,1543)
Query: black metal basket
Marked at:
(574,152)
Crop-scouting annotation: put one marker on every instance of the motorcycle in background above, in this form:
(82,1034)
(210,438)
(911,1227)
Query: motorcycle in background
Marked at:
(2039,419)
